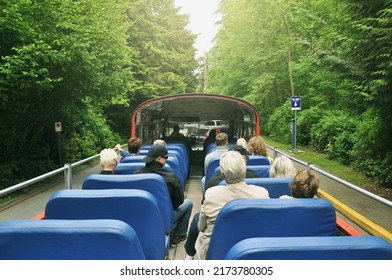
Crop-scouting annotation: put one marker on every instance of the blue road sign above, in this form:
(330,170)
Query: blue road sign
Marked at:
(295,103)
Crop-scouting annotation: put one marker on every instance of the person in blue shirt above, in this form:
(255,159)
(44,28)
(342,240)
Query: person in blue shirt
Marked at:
(134,144)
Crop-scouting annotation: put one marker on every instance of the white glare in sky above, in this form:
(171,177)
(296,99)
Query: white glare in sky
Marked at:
(202,19)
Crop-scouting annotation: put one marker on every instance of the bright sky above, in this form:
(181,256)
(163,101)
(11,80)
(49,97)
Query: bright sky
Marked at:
(202,21)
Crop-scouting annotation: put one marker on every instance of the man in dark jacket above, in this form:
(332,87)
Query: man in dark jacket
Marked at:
(182,207)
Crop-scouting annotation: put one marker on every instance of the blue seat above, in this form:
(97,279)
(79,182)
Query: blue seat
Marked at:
(69,240)
(312,248)
(133,158)
(178,169)
(151,182)
(276,187)
(262,170)
(137,208)
(178,161)
(210,148)
(246,218)
(258,160)
(130,168)
(214,163)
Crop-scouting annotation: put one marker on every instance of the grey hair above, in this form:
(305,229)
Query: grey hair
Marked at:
(282,167)
(233,167)
(107,157)
(242,142)
(160,142)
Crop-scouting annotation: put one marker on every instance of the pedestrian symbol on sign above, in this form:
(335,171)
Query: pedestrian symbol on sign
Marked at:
(295,103)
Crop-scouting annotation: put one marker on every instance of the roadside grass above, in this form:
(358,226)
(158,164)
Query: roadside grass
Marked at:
(323,162)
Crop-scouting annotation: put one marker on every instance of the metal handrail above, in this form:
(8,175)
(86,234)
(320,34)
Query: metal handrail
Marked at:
(67,169)
(330,176)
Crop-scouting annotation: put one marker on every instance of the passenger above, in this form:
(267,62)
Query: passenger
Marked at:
(256,146)
(282,167)
(221,141)
(242,142)
(108,161)
(160,142)
(210,139)
(182,208)
(233,169)
(134,144)
(304,185)
(176,131)
(217,178)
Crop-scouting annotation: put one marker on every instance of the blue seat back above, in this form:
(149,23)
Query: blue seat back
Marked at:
(130,168)
(214,163)
(246,218)
(312,248)
(137,208)
(177,151)
(133,158)
(69,240)
(179,170)
(276,187)
(151,182)
(262,170)
(210,148)
(258,160)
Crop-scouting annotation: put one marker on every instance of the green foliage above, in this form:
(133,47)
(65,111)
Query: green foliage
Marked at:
(335,54)
(279,124)
(76,62)
(335,135)
(369,154)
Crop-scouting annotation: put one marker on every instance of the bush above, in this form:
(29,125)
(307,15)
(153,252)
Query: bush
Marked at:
(335,134)
(369,154)
(279,124)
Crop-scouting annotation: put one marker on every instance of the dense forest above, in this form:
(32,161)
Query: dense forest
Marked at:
(88,63)
(334,54)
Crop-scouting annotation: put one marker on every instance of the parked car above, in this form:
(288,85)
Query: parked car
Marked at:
(213,123)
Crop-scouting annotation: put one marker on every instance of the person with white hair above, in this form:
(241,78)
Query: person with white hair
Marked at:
(233,169)
(160,142)
(282,167)
(108,161)
(242,142)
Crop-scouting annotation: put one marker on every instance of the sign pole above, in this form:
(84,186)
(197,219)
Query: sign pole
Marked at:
(295,105)
(58,129)
(295,131)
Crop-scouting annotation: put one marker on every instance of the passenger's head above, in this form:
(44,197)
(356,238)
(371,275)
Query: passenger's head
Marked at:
(256,146)
(233,167)
(176,127)
(160,142)
(212,133)
(305,184)
(241,142)
(108,159)
(157,153)
(282,167)
(134,144)
(245,154)
(221,139)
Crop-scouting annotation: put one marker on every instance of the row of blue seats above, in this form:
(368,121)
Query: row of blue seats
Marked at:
(177,162)
(141,201)
(109,224)
(260,164)
(95,239)
(287,229)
